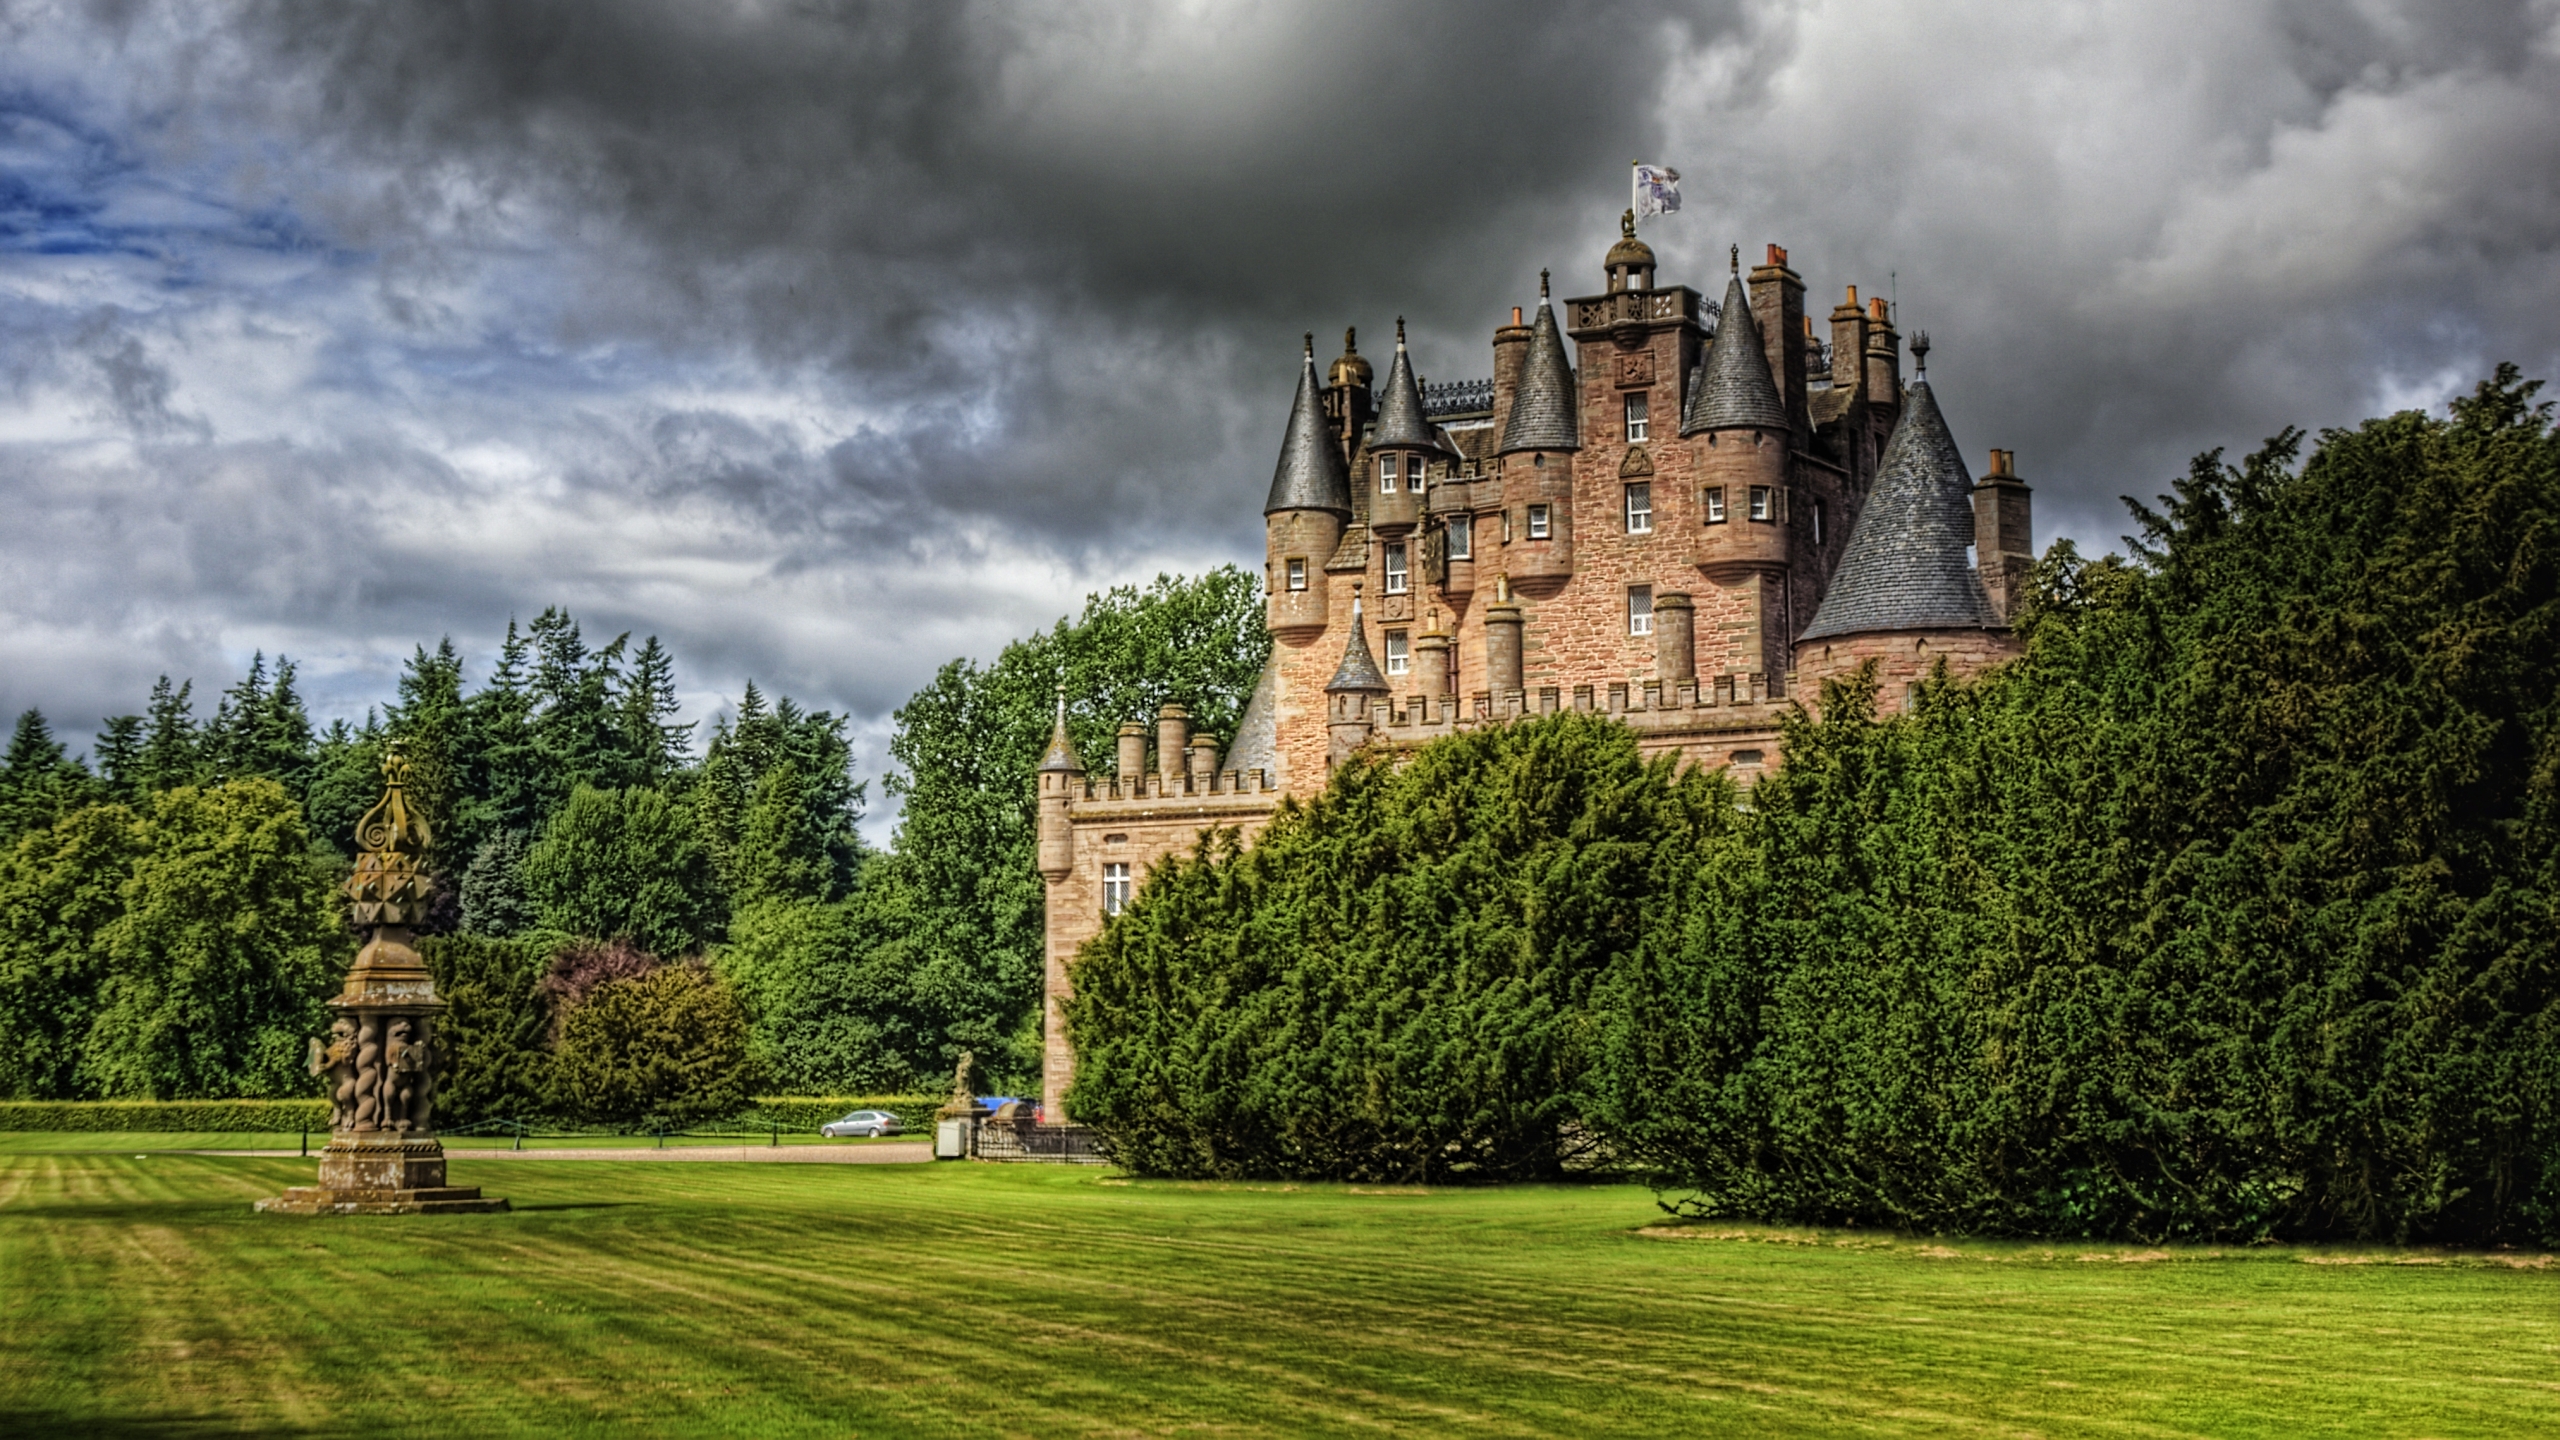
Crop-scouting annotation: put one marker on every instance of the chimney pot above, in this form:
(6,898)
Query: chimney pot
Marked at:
(1515,314)
(1777,255)
(1853,297)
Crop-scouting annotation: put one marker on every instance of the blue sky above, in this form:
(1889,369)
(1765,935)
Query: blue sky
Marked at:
(829,344)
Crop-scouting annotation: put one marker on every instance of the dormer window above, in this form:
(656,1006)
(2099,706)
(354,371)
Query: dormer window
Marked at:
(1396,572)
(1386,474)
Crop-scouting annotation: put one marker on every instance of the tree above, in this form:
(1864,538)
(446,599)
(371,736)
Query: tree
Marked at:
(797,832)
(169,745)
(227,938)
(494,900)
(60,886)
(665,1048)
(624,864)
(826,996)
(961,872)
(1394,982)
(119,757)
(646,709)
(37,780)
(494,1027)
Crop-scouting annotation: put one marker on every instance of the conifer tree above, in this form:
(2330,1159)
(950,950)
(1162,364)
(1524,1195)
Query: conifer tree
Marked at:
(37,780)
(119,758)
(170,743)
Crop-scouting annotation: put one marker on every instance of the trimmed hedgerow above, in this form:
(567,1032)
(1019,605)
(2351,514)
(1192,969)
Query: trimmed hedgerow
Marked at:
(156,1116)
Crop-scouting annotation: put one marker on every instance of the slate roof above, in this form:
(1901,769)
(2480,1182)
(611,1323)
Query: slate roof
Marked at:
(1257,742)
(1731,386)
(1402,421)
(1905,566)
(1061,755)
(1542,409)
(1358,670)
(1311,474)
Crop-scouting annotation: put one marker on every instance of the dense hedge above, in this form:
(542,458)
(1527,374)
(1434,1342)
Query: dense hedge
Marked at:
(1393,982)
(192,1116)
(2230,910)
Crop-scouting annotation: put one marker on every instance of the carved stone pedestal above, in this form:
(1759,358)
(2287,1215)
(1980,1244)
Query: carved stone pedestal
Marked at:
(382,1053)
(382,1175)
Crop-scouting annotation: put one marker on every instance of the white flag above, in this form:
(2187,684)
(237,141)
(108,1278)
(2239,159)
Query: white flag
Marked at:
(1657,190)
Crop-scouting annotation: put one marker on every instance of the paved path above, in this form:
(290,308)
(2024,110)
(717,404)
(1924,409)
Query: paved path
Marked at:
(894,1153)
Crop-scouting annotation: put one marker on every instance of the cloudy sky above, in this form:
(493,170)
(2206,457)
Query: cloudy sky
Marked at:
(830,341)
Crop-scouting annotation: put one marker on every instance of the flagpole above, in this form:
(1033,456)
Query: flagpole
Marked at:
(1635,188)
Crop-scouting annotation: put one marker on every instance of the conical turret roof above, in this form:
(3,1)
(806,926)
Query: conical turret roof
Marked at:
(1905,566)
(1311,474)
(1358,670)
(1401,421)
(1061,754)
(1543,416)
(1731,386)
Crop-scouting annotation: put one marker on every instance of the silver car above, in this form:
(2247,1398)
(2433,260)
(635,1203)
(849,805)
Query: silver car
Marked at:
(861,1123)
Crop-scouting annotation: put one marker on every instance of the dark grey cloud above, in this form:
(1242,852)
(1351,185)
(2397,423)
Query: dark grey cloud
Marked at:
(829,341)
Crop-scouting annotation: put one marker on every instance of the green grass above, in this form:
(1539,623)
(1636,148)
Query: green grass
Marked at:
(142,1142)
(140,1296)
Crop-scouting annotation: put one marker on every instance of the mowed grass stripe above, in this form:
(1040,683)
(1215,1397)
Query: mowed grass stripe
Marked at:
(685,1298)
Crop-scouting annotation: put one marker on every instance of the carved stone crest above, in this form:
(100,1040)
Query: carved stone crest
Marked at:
(1636,464)
(1635,368)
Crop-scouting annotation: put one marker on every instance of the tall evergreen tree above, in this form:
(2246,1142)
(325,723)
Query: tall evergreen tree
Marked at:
(651,739)
(37,780)
(170,745)
(505,772)
(119,758)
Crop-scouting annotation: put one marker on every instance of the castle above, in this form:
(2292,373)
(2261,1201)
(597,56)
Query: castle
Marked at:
(1706,516)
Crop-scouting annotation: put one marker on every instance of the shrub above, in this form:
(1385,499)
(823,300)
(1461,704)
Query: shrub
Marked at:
(668,1047)
(158,1116)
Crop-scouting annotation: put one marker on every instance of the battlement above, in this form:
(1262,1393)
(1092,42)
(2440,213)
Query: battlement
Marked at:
(1715,705)
(1154,786)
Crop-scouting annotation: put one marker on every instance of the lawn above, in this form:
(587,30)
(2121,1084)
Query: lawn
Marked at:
(139,1296)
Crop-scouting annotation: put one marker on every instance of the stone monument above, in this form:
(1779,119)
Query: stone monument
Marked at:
(381,1052)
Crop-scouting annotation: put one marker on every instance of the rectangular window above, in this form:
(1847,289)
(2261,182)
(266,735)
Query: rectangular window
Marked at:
(1116,888)
(1639,609)
(1386,474)
(1537,522)
(1399,658)
(1462,537)
(1395,567)
(1759,502)
(1819,516)
(1506,527)
(1640,508)
(1297,572)
(1711,503)
(1636,418)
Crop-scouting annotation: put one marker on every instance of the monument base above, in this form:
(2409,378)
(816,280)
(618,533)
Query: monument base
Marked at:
(435,1200)
(381,1173)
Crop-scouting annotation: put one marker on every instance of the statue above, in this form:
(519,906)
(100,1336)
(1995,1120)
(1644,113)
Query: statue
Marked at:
(336,1059)
(382,1051)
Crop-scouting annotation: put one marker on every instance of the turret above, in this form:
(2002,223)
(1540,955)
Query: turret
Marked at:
(1904,576)
(1738,431)
(1356,689)
(1173,734)
(1539,439)
(1502,660)
(1349,404)
(1401,449)
(1629,264)
(1061,777)
(1303,519)
(1431,650)
(1510,352)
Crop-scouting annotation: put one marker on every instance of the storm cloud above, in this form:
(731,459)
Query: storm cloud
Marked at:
(831,341)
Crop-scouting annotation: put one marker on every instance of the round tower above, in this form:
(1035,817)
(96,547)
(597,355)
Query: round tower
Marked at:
(1401,449)
(1061,778)
(1630,262)
(1739,439)
(1310,503)
(1539,440)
